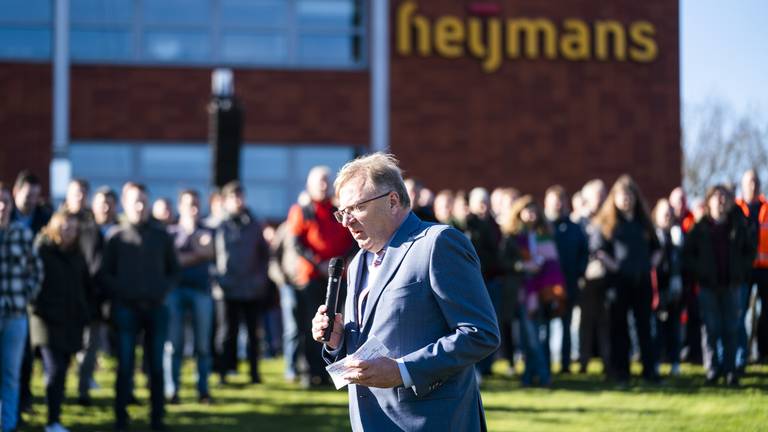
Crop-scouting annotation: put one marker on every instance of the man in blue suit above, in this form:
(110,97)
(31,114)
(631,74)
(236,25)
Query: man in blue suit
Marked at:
(418,289)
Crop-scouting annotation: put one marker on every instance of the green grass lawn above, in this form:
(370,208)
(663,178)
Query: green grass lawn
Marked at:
(574,403)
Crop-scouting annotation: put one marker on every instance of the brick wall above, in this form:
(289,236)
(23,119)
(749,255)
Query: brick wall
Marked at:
(25,120)
(170,104)
(533,123)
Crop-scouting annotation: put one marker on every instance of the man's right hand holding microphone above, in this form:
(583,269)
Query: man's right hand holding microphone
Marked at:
(321,322)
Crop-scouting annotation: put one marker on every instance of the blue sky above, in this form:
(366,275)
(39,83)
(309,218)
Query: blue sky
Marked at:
(724,53)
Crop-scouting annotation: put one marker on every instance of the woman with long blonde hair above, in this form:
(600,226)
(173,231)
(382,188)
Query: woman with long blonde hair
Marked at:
(60,312)
(625,242)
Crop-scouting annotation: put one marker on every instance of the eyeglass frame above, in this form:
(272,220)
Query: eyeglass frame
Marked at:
(347,211)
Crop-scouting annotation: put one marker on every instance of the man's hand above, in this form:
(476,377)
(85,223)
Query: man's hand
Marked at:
(320,323)
(382,372)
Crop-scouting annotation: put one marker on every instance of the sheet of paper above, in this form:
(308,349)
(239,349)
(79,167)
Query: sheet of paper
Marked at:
(371,349)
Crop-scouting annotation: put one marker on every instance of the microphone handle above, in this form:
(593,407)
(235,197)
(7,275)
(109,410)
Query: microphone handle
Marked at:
(331,303)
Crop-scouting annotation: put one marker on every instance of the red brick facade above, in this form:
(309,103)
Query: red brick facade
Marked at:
(25,120)
(533,123)
(529,124)
(170,104)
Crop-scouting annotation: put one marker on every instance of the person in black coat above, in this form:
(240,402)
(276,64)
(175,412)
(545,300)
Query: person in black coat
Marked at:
(59,313)
(485,235)
(719,254)
(627,245)
(138,269)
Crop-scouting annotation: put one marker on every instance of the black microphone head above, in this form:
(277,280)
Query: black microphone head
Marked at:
(336,267)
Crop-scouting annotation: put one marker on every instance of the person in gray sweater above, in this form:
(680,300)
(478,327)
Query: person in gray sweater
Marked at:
(139,268)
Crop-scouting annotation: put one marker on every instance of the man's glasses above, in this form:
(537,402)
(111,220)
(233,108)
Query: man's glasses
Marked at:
(355,209)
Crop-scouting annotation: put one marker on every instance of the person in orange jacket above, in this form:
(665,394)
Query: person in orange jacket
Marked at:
(318,238)
(755,209)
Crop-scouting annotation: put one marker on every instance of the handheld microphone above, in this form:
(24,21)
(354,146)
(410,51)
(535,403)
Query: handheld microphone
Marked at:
(335,270)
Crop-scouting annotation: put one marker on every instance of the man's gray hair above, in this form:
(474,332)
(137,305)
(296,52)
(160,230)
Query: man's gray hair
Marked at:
(478,195)
(317,171)
(592,185)
(381,170)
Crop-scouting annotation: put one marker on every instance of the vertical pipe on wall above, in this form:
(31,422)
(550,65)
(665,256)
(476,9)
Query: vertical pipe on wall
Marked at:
(60,169)
(379,75)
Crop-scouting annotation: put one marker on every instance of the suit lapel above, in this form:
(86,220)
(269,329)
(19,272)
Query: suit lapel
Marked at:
(396,251)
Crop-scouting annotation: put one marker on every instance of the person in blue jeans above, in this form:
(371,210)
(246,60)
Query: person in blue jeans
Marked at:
(282,272)
(573,253)
(719,254)
(194,247)
(21,276)
(138,270)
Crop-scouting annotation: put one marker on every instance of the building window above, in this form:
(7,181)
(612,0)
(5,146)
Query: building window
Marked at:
(284,33)
(25,29)
(254,13)
(101,11)
(328,13)
(25,43)
(244,47)
(273,175)
(176,12)
(97,44)
(167,46)
(23,11)
(329,49)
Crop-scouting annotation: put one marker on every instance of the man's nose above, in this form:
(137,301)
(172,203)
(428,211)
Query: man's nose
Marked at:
(346,220)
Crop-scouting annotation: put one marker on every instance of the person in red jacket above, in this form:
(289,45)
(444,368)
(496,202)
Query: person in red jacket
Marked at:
(755,209)
(318,238)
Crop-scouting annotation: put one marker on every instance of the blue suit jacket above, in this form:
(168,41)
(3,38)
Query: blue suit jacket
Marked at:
(429,306)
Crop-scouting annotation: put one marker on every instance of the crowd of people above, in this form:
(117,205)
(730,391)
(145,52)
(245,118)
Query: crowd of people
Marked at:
(84,280)
(676,281)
